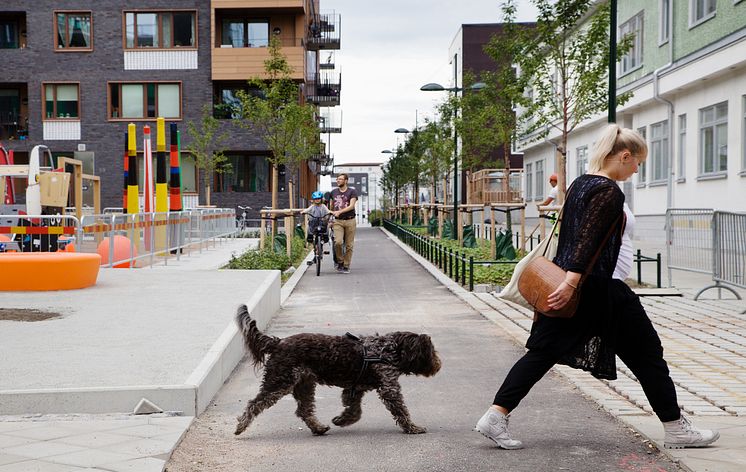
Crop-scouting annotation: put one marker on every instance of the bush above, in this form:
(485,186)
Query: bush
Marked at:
(267,259)
(375,217)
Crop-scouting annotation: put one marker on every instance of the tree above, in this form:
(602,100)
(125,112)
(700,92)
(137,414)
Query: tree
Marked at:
(562,64)
(437,149)
(275,112)
(205,147)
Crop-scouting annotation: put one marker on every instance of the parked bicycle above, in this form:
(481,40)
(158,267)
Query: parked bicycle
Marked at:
(242,222)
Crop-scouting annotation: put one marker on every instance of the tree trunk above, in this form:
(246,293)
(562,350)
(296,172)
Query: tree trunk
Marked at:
(207,194)
(275,178)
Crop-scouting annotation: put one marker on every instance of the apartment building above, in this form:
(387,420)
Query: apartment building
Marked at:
(365,178)
(75,73)
(687,73)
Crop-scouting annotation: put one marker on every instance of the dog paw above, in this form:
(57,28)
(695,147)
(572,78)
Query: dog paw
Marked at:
(320,431)
(414,429)
(341,421)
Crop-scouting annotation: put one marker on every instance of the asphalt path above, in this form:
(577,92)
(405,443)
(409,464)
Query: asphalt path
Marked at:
(387,291)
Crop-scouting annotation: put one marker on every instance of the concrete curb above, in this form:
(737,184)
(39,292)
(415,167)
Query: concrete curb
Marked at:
(639,420)
(290,284)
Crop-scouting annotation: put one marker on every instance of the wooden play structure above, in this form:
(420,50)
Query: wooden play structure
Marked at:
(495,186)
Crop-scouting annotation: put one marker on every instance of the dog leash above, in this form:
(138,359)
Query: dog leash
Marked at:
(367,360)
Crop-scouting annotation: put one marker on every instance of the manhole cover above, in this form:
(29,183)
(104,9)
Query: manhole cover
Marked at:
(25,314)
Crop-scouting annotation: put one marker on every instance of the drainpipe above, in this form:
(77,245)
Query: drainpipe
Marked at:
(656,96)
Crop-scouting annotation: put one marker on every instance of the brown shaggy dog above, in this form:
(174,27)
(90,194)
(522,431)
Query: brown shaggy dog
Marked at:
(297,363)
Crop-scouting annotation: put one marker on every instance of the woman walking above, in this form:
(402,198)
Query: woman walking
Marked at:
(610,320)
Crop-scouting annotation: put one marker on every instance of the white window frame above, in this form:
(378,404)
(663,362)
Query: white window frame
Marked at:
(715,124)
(529,181)
(659,151)
(693,20)
(581,160)
(664,26)
(681,168)
(633,59)
(539,191)
(743,136)
(642,169)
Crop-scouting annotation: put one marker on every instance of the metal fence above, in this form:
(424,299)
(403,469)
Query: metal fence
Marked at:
(131,240)
(710,242)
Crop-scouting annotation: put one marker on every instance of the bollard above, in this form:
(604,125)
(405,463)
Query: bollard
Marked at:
(639,267)
(658,269)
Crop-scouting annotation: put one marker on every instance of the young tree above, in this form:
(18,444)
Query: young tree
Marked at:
(562,63)
(205,147)
(277,114)
(437,151)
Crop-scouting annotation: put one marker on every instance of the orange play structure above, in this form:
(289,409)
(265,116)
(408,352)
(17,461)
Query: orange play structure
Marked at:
(36,271)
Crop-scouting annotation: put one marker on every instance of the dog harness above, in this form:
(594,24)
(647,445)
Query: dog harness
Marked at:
(367,360)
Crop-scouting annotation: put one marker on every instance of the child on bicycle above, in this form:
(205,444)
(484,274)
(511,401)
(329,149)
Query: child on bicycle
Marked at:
(317,211)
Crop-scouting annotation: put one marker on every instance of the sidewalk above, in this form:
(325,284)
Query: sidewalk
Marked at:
(165,333)
(705,347)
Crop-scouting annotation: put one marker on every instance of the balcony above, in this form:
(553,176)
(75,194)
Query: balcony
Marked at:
(329,123)
(243,63)
(323,89)
(323,32)
(290,5)
(327,62)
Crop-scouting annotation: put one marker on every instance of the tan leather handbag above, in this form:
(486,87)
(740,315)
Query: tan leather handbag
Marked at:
(541,277)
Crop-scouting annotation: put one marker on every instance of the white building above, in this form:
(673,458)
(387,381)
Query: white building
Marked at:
(365,178)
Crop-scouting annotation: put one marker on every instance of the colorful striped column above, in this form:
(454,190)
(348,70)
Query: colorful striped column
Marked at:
(148,206)
(161,182)
(126,167)
(175,181)
(133,198)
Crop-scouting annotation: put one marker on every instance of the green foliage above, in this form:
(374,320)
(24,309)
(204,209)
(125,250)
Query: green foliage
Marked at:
(375,217)
(269,259)
(205,147)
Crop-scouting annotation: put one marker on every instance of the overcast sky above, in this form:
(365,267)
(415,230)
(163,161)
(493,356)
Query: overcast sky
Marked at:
(389,49)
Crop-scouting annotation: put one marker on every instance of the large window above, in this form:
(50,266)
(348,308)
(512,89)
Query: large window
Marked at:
(713,139)
(581,160)
(61,101)
(633,59)
(244,32)
(539,193)
(701,10)
(144,100)
(73,31)
(642,169)
(165,30)
(226,100)
(529,181)
(659,150)
(12,30)
(682,149)
(249,173)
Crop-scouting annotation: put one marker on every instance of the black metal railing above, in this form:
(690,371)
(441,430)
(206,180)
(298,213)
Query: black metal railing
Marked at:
(324,31)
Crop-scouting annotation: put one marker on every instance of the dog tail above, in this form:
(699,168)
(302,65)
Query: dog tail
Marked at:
(257,343)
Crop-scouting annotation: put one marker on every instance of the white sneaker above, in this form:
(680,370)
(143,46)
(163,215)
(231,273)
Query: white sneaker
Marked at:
(681,434)
(494,426)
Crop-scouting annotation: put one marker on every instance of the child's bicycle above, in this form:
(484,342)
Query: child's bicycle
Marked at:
(319,238)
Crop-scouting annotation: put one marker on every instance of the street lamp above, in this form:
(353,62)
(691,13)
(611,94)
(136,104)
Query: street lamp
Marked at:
(433,87)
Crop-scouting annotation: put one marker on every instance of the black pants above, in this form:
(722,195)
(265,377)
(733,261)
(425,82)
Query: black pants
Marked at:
(637,345)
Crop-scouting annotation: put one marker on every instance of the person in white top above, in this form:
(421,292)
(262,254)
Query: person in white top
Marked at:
(625,260)
(552,197)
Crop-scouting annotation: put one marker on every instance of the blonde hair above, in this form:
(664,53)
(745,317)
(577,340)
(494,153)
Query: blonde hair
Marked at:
(613,140)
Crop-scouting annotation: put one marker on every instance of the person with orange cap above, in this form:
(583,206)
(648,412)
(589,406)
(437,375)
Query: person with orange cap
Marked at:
(552,197)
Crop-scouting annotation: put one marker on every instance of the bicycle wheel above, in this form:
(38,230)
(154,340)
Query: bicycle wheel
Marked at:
(319,255)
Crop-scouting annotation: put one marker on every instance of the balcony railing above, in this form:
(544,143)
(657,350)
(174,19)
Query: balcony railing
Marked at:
(330,124)
(13,125)
(323,32)
(323,89)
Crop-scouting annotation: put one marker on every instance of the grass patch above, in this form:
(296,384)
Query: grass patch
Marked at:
(269,259)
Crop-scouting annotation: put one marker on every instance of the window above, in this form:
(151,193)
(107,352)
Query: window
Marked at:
(701,10)
(164,30)
(659,150)
(633,59)
(74,31)
(581,160)
(664,27)
(713,139)
(529,181)
(743,138)
(245,32)
(682,148)
(144,100)
(61,101)
(642,170)
(249,173)
(226,100)
(539,194)
(12,30)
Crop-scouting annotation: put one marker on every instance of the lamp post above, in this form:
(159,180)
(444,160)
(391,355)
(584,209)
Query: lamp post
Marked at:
(433,87)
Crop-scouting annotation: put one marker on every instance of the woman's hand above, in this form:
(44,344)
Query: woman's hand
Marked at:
(564,292)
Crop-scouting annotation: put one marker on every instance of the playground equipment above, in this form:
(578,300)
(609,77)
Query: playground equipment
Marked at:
(38,271)
(6,184)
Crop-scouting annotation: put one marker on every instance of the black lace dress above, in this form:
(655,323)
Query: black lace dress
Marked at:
(586,341)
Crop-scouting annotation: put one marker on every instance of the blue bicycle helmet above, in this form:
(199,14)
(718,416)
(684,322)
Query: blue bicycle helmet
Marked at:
(316,195)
